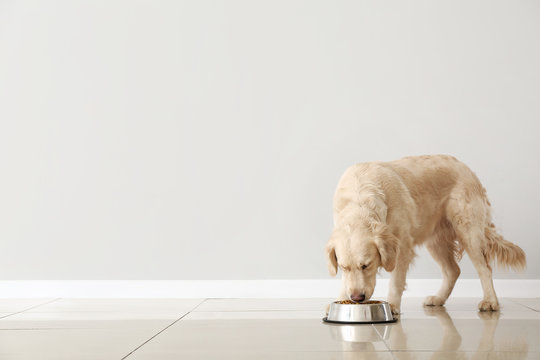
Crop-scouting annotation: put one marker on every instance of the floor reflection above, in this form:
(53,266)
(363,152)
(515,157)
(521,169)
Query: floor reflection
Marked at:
(478,335)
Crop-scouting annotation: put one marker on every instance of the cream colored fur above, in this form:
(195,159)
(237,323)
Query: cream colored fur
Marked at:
(382,210)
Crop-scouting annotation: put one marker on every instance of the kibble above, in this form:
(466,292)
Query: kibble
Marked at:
(350,302)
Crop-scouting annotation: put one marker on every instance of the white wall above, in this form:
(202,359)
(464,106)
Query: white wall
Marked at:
(204,139)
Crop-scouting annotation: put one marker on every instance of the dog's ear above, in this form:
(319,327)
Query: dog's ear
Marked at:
(332,259)
(387,244)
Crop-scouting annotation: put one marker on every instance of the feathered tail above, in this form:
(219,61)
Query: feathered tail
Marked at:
(507,254)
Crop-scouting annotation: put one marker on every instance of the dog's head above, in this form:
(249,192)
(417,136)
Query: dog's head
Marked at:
(359,251)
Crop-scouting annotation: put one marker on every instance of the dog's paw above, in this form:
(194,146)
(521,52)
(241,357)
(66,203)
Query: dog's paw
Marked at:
(434,301)
(327,309)
(395,309)
(488,305)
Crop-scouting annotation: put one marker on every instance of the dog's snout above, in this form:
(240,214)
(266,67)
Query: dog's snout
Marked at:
(358,297)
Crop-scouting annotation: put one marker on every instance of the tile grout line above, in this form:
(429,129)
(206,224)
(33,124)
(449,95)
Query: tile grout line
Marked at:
(525,306)
(382,335)
(30,308)
(162,330)
(382,338)
(199,304)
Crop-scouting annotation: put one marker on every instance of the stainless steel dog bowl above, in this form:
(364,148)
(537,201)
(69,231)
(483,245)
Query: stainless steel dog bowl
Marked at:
(369,312)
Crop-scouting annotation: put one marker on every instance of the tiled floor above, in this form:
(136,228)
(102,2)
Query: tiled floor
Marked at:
(140,329)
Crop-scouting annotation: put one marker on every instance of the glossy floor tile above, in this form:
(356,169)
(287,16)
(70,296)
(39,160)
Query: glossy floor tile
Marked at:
(515,330)
(68,344)
(263,304)
(487,355)
(533,304)
(15,305)
(84,320)
(268,355)
(259,315)
(142,306)
(100,313)
(235,337)
(461,304)
(260,329)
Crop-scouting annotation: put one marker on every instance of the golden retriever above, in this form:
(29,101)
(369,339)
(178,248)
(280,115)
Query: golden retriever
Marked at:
(382,210)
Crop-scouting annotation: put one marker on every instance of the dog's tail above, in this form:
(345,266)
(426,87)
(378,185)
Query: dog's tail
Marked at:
(507,254)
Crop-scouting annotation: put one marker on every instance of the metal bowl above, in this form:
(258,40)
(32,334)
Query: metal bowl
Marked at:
(369,312)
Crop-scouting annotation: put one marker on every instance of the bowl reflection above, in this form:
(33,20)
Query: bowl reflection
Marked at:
(358,333)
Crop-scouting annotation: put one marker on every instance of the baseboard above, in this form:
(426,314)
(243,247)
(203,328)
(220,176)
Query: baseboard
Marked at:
(314,288)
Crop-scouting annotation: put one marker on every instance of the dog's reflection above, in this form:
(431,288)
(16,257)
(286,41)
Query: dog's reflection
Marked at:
(361,338)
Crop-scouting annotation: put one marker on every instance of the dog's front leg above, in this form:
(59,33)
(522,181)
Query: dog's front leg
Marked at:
(398,279)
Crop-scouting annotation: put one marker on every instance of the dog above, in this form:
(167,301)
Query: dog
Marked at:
(382,210)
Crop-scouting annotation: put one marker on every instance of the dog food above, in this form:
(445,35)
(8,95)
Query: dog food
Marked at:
(350,302)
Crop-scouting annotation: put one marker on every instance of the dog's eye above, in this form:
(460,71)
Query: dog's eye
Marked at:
(364,266)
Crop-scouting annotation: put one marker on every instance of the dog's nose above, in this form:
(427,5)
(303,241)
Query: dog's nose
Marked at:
(358,297)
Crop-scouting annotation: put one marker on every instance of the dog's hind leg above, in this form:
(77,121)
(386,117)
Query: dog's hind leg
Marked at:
(477,256)
(469,224)
(444,249)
